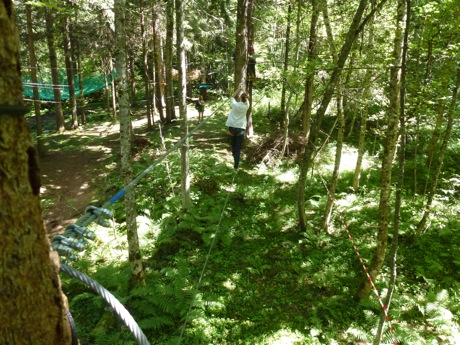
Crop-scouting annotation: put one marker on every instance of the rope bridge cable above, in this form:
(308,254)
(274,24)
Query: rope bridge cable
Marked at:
(117,307)
(205,265)
(355,247)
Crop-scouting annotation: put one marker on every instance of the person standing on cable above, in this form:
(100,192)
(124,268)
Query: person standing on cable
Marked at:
(236,123)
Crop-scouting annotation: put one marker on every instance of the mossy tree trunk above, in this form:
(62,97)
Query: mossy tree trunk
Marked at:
(135,258)
(31,300)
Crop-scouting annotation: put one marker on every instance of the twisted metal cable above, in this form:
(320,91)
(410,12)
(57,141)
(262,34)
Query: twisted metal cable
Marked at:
(119,309)
(205,265)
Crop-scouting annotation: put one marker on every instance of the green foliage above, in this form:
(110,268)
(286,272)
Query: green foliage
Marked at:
(265,282)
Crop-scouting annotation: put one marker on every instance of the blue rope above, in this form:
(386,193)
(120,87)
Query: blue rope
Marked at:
(134,182)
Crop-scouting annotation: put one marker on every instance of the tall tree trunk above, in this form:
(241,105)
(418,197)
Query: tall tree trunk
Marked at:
(132,78)
(113,89)
(81,102)
(185,160)
(388,155)
(29,279)
(33,72)
(107,89)
(284,114)
(400,183)
(341,122)
(60,124)
(168,55)
(440,157)
(146,68)
(364,117)
(306,116)
(434,142)
(335,173)
(355,28)
(70,71)
(135,258)
(241,49)
(250,44)
(159,80)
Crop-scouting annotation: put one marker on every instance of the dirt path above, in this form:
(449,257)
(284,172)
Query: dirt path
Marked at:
(68,184)
(70,176)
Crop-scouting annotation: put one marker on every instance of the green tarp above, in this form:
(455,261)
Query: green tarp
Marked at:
(45,86)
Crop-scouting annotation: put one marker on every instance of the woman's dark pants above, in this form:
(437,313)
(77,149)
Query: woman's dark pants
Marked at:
(236,140)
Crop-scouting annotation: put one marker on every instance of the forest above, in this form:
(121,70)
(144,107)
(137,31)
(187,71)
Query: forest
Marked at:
(124,220)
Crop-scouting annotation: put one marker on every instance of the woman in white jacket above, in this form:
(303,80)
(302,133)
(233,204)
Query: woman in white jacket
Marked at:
(236,123)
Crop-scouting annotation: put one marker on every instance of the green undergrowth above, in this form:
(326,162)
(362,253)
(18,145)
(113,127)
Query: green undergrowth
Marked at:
(264,282)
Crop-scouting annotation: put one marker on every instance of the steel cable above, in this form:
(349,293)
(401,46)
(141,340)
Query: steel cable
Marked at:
(117,307)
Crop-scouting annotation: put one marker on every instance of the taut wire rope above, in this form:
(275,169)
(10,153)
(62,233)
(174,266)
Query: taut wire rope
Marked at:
(205,265)
(119,309)
(78,231)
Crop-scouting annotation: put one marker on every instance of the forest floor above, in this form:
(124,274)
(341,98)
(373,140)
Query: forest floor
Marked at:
(266,282)
(71,175)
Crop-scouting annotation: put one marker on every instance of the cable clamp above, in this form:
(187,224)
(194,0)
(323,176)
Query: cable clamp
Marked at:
(64,250)
(74,230)
(99,211)
(78,244)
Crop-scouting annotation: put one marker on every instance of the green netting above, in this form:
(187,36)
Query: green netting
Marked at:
(45,85)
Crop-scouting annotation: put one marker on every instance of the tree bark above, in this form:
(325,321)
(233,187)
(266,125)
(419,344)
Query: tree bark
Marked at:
(400,183)
(113,89)
(335,173)
(168,55)
(440,157)
(33,72)
(185,160)
(306,115)
(388,155)
(249,82)
(355,28)
(32,304)
(81,102)
(159,78)
(146,68)
(70,70)
(284,125)
(135,258)
(241,49)
(60,124)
